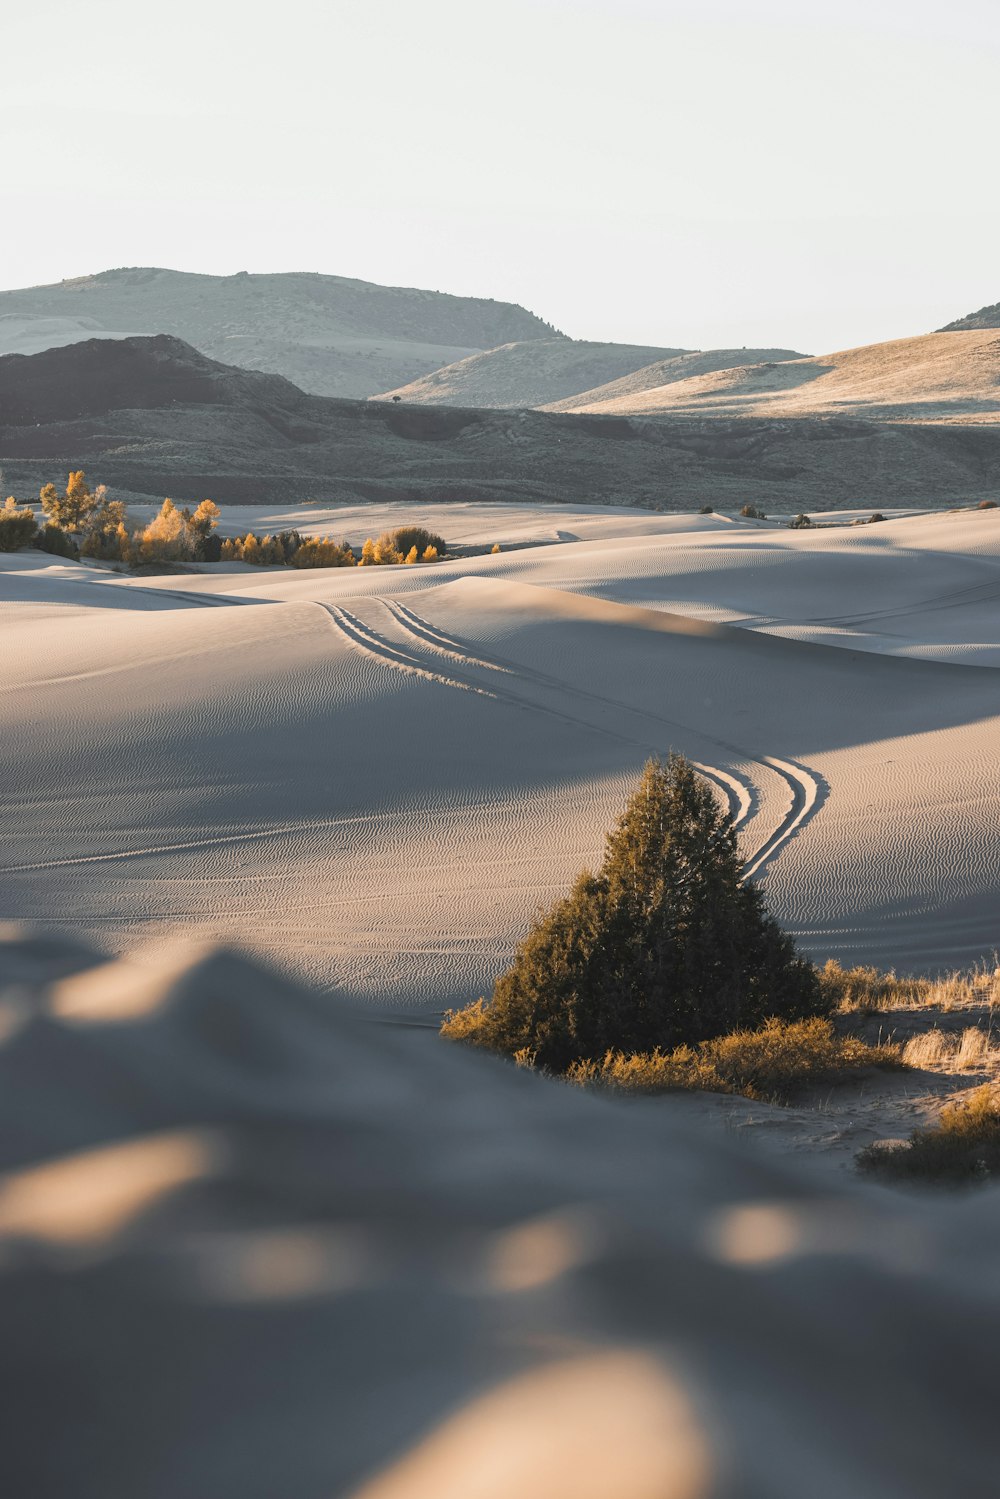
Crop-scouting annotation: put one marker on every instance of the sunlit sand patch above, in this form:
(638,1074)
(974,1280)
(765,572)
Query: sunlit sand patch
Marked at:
(533,1254)
(85,1200)
(611,1424)
(756,1235)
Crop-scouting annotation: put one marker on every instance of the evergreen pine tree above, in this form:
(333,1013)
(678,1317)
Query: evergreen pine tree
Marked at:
(666,945)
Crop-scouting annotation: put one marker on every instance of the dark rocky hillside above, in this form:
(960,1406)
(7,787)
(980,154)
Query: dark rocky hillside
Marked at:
(986,317)
(154,416)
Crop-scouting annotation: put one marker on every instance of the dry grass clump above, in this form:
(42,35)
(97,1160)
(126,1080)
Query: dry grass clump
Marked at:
(961,1149)
(969,1052)
(770,1064)
(868,989)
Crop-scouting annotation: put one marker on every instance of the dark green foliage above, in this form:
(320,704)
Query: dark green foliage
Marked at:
(800,523)
(18,527)
(875,517)
(666,945)
(52,539)
(706,510)
(406,537)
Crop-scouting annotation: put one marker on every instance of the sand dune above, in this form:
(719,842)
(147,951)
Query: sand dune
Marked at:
(379,774)
(937,377)
(254,1244)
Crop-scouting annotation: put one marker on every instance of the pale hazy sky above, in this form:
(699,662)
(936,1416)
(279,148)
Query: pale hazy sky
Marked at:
(691,172)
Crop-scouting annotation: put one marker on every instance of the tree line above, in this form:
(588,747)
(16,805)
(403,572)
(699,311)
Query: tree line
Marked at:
(81,522)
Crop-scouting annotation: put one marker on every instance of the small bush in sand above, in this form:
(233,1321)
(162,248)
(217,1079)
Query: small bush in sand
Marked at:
(18,527)
(987,505)
(800,523)
(963,1148)
(52,538)
(750,512)
(404,538)
(706,510)
(666,945)
(773,1063)
(875,517)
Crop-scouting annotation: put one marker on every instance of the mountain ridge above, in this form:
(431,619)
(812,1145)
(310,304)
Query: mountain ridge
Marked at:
(332,335)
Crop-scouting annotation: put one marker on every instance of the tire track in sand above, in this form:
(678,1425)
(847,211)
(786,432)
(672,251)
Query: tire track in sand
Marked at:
(737,793)
(806,790)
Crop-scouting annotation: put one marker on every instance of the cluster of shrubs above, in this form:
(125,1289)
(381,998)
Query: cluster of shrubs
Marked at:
(85,523)
(407,544)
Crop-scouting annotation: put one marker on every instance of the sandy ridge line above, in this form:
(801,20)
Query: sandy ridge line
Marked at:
(430,635)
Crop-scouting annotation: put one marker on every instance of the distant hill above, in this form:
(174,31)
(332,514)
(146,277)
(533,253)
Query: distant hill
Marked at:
(665,371)
(986,317)
(937,377)
(330,334)
(153,416)
(533,373)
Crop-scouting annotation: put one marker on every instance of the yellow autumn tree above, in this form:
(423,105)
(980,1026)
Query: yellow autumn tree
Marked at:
(368,558)
(387,553)
(70,511)
(494,548)
(106,534)
(166,538)
(412,556)
(430,554)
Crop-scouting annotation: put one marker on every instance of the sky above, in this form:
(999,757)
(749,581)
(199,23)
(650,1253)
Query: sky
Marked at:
(692,173)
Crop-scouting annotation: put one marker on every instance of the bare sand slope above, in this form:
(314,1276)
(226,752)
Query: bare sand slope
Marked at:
(252,1245)
(936,377)
(533,372)
(380,774)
